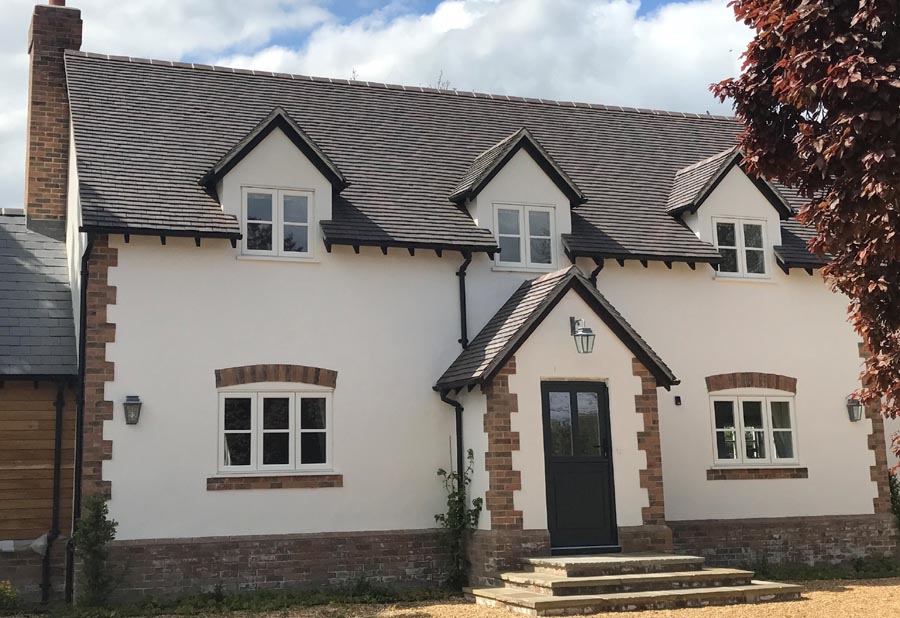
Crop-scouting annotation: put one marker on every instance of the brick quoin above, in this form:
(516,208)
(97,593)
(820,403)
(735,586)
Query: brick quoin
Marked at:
(54,29)
(878,472)
(98,370)
(651,478)
(503,480)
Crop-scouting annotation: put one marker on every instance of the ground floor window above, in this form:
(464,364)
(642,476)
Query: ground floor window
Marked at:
(271,431)
(754,430)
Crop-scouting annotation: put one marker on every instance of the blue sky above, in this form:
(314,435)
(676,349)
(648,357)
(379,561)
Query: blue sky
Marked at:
(639,53)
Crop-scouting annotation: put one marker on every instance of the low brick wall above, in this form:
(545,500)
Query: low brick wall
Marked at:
(492,552)
(24,570)
(167,568)
(814,541)
(653,538)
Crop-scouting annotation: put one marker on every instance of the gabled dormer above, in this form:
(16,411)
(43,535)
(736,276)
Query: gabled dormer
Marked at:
(735,211)
(517,190)
(279,183)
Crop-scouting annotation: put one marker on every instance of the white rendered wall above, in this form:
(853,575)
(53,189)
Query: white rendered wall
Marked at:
(549,354)
(389,325)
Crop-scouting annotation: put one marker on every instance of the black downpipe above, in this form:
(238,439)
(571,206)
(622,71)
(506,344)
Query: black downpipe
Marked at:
(596,272)
(459,431)
(463,328)
(53,534)
(79,417)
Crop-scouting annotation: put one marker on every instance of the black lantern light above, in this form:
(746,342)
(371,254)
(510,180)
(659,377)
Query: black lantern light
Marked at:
(132,407)
(584,336)
(854,409)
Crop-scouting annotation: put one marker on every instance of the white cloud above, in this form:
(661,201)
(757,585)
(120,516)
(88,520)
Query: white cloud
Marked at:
(583,50)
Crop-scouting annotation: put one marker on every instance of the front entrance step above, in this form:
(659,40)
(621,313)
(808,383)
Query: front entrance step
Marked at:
(613,564)
(560,585)
(537,604)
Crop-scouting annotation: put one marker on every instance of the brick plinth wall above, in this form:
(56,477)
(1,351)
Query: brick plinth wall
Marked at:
(23,569)
(53,30)
(171,568)
(492,552)
(98,370)
(651,537)
(814,541)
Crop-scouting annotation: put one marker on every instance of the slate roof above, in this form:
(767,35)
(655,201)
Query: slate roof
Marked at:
(147,131)
(793,251)
(37,331)
(523,312)
(488,163)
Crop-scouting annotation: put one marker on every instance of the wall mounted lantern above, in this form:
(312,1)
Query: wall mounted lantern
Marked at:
(584,336)
(854,409)
(132,407)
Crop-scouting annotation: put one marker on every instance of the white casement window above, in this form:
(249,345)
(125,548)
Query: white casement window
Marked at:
(277,222)
(274,431)
(525,235)
(742,245)
(754,430)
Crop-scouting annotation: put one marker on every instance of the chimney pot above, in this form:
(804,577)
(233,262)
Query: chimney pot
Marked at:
(57,2)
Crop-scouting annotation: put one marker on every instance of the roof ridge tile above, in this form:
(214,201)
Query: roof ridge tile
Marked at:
(421,89)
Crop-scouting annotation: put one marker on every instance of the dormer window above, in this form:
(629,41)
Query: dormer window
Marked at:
(742,245)
(525,236)
(277,222)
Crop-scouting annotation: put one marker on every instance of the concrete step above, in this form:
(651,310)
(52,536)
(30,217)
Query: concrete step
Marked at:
(559,585)
(537,604)
(612,564)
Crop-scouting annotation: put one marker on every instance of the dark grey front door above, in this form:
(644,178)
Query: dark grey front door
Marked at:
(581,509)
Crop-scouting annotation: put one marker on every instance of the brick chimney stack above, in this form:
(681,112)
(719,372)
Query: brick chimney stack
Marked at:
(54,29)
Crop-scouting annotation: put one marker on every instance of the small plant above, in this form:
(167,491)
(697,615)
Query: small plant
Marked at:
(894,480)
(9,597)
(92,538)
(459,519)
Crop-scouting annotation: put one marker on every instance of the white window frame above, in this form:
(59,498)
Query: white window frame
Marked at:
(256,431)
(742,248)
(278,223)
(742,461)
(525,236)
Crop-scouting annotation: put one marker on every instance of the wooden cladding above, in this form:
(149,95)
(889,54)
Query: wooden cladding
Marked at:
(252,374)
(27,442)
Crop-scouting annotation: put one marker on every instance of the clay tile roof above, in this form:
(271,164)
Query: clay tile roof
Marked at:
(523,312)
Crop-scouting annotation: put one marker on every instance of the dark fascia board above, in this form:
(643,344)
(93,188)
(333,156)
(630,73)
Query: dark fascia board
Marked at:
(763,186)
(525,140)
(144,231)
(404,244)
(277,119)
(647,257)
(40,377)
(574,280)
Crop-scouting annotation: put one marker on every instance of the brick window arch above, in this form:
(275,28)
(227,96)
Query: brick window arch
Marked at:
(250,374)
(746,379)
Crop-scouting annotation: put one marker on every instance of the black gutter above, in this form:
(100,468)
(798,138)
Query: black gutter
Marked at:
(53,534)
(79,416)
(461,273)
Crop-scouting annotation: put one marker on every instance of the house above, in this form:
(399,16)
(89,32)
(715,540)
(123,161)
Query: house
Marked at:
(313,293)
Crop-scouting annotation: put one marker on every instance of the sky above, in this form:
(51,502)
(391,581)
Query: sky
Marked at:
(660,54)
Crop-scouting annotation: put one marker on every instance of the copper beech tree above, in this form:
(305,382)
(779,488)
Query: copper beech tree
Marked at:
(819,94)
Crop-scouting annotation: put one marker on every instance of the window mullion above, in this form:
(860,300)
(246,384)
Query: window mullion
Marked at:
(739,423)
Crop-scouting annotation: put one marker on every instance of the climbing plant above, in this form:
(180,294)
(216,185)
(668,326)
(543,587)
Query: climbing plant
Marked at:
(459,520)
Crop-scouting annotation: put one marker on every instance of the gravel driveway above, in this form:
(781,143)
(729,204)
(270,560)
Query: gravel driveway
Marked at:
(826,599)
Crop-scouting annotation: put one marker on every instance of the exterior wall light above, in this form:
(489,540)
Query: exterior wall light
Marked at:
(854,409)
(584,336)
(132,407)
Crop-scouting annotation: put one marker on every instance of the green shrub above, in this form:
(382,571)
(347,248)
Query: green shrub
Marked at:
(9,597)
(92,538)
(894,480)
(459,519)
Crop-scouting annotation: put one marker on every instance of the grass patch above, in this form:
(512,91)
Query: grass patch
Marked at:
(254,602)
(864,568)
